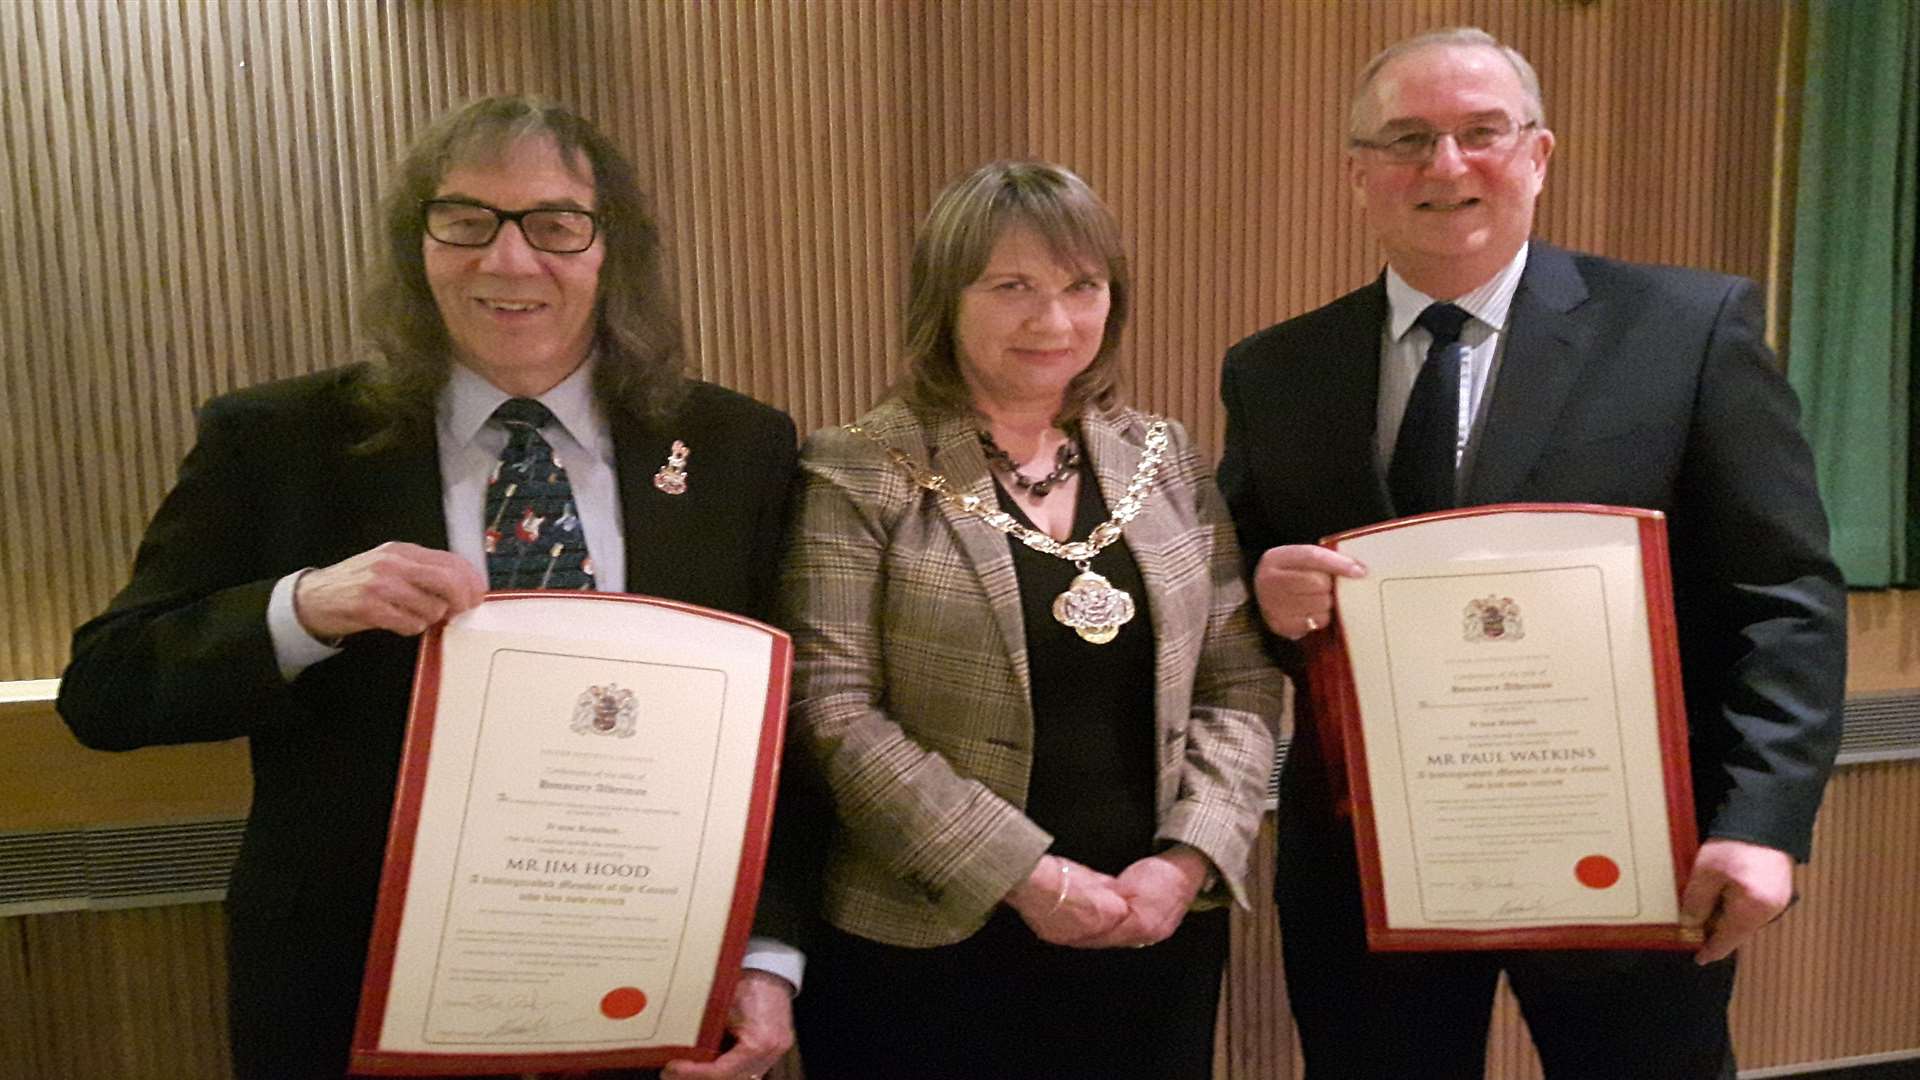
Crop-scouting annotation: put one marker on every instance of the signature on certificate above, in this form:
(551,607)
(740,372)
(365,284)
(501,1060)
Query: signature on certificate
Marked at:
(1524,905)
(519,1013)
(1479,883)
(1509,896)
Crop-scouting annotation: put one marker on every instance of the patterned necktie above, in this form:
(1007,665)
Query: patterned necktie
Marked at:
(1420,476)
(533,536)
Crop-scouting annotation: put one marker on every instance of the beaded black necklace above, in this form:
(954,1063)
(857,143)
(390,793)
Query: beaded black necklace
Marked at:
(1065,461)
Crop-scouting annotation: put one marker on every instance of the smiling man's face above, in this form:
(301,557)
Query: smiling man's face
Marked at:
(521,318)
(1448,224)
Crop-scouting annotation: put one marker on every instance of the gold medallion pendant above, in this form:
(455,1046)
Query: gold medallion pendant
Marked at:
(1092,607)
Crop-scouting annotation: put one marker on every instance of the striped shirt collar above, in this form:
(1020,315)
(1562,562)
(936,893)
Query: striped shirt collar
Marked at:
(1489,304)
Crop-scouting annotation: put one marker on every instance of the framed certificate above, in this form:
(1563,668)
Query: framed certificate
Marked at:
(578,837)
(1503,690)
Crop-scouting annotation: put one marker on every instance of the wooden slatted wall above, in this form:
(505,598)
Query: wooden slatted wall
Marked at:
(186,187)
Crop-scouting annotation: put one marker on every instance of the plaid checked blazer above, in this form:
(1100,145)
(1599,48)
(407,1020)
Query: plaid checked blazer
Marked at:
(911,701)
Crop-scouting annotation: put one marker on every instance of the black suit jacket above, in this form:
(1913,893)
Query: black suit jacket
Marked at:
(1623,384)
(183,654)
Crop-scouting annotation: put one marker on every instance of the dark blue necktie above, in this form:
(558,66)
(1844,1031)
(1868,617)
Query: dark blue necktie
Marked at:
(533,536)
(1420,476)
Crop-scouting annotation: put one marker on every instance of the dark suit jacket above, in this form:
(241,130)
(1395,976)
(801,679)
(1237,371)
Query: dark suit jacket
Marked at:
(183,653)
(1624,384)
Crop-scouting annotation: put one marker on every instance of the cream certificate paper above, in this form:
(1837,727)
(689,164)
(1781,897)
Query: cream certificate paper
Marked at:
(1504,676)
(578,841)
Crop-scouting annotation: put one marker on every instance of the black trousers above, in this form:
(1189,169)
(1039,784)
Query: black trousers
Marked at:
(1593,1014)
(1003,1005)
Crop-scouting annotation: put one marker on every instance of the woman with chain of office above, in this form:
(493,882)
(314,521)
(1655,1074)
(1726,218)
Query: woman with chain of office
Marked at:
(1027,678)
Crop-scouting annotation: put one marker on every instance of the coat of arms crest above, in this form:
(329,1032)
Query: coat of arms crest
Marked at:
(605,710)
(1493,618)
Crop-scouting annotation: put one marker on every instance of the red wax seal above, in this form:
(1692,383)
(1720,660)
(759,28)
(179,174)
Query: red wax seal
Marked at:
(1597,872)
(623,1003)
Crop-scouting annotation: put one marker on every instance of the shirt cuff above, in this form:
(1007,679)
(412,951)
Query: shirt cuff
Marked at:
(775,957)
(294,649)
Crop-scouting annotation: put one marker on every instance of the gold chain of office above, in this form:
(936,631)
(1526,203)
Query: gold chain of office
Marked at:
(1091,606)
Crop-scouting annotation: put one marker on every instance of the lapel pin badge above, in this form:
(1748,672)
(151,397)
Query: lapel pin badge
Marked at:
(672,477)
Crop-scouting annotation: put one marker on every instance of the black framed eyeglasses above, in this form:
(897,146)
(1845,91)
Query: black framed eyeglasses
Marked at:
(463,223)
(1494,135)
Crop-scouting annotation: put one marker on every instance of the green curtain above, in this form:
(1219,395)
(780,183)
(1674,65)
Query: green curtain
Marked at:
(1850,335)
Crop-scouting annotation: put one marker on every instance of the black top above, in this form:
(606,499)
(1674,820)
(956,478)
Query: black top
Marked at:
(1093,763)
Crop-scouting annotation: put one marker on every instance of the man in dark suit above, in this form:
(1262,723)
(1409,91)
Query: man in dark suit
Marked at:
(1538,375)
(321,523)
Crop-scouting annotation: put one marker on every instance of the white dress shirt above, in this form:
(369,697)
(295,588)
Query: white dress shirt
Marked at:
(1403,350)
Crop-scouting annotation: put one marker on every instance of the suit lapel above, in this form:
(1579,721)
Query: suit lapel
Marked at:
(1115,458)
(1338,395)
(1545,351)
(397,494)
(955,453)
(639,450)
(1151,537)
(1116,452)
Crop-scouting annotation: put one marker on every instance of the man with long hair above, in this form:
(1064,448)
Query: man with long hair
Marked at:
(515,314)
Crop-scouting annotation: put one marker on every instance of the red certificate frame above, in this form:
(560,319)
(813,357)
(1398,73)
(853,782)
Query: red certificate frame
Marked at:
(564,624)
(1345,729)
